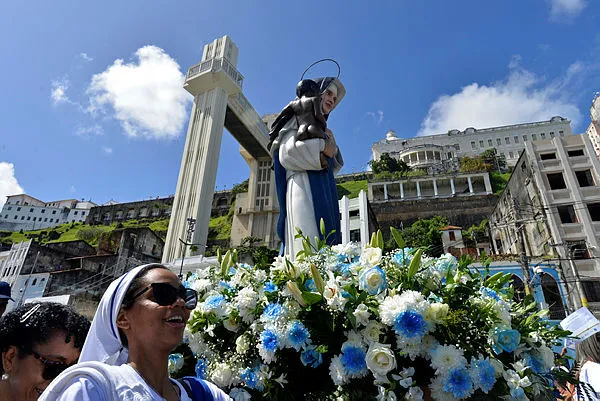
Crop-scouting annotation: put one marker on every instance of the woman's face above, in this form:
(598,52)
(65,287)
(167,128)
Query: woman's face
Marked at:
(25,371)
(149,324)
(328,102)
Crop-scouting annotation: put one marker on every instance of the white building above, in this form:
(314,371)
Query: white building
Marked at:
(11,266)
(551,205)
(593,131)
(432,150)
(24,212)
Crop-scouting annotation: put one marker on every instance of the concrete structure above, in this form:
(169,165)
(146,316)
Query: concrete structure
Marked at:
(24,212)
(593,131)
(219,103)
(551,205)
(114,212)
(440,152)
(358,221)
(452,238)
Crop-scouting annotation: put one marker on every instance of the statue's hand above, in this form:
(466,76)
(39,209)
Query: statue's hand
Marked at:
(330,144)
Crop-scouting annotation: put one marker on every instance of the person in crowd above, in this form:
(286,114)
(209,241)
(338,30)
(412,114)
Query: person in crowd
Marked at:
(4,296)
(588,357)
(140,319)
(305,159)
(38,341)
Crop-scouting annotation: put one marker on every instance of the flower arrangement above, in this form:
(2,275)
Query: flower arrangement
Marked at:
(346,323)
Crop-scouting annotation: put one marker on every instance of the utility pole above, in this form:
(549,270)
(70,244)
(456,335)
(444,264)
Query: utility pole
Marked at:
(190,232)
(523,256)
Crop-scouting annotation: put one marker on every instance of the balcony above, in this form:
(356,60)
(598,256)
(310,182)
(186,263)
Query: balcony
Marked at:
(209,74)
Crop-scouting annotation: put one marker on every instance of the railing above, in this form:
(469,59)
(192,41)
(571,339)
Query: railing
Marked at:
(245,111)
(216,64)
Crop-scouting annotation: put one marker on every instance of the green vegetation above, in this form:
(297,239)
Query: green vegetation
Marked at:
(425,233)
(387,176)
(389,164)
(351,188)
(476,233)
(219,228)
(498,181)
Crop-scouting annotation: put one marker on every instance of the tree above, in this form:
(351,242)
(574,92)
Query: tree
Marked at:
(388,164)
(426,233)
(496,161)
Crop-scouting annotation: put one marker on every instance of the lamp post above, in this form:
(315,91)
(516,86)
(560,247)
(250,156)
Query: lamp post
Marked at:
(190,232)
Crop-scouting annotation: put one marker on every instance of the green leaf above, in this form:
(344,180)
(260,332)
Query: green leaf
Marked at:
(311,297)
(373,243)
(415,263)
(219,256)
(397,238)
(322,227)
(380,242)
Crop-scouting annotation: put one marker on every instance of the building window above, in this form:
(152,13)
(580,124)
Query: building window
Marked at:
(31,210)
(578,250)
(22,217)
(561,133)
(584,178)
(543,135)
(507,140)
(457,146)
(16,217)
(567,214)
(594,209)
(19,209)
(46,219)
(452,236)
(516,139)
(43,210)
(556,181)
(472,144)
(511,155)
(548,156)
(481,144)
(575,153)
(34,219)
(9,208)
(498,141)
(50,220)
(533,137)
(75,213)
(54,212)
(28,217)
(6,216)
(490,143)
(524,138)
(552,135)
(592,290)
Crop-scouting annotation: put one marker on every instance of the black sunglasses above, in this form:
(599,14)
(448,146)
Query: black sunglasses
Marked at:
(51,368)
(165,294)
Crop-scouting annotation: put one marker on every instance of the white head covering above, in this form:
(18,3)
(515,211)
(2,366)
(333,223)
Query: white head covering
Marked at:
(103,343)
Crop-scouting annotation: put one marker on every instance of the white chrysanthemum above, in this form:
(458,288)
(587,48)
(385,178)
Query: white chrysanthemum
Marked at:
(372,332)
(362,314)
(437,390)
(198,346)
(446,357)
(392,306)
(429,343)
(412,348)
(370,256)
(436,312)
(337,371)
(221,374)
(354,338)
(246,301)
(202,285)
(260,276)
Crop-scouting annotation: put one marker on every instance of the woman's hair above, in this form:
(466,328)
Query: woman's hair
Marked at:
(35,323)
(137,284)
(589,349)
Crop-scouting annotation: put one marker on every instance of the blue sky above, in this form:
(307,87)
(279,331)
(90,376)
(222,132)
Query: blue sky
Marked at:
(76,77)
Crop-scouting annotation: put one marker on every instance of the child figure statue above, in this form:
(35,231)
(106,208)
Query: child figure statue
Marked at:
(305,159)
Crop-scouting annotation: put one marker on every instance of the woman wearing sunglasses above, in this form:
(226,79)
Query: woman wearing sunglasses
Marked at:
(139,321)
(38,342)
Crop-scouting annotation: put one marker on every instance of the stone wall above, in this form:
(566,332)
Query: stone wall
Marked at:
(460,211)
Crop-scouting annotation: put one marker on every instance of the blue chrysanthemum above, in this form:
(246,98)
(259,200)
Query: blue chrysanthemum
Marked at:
(410,324)
(297,334)
(310,285)
(483,375)
(200,368)
(269,340)
(489,293)
(270,287)
(458,383)
(353,359)
(536,364)
(250,378)
(272,311)
(311,357)
(214,301)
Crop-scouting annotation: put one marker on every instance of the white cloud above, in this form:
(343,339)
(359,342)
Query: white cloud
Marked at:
(59,91)
(92,130)
(8,182)
(107,150)
(85,57)
(522,97)
(376,115)
(72,189)
(566,10)
(145,96)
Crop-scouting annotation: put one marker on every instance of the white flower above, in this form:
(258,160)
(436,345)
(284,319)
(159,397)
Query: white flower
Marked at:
(239,394)
(246,301)
(446,357)
(278,264)
(337,371)
(231,324)
(362,315)
(547,356)
(436,312)
(242,344)
(222,374)
(380,359)
(260,276)
(414,394)
(202,285)
(372,332)
(370,256)
(392,306)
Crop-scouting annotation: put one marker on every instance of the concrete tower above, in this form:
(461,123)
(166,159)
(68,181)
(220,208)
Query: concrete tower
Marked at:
(218,102)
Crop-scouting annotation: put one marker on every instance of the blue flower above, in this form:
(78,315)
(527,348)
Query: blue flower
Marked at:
(246,266)
(535,363)
(403,257)
(311,357)
(175,362)
(310,285)
(214,301)
(251,379)
(297,335)
(232,271)
(410,324)
(483,375)
(517,394)
(458,383)
(505,339)
(269,340)
(270,287)
(225,285)
(489,293)
(344,269)
(445,263)
(272,311)
(200,368)
(353,359)
(372,280)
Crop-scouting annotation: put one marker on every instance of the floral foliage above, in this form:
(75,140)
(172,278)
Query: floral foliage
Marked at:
(348,323)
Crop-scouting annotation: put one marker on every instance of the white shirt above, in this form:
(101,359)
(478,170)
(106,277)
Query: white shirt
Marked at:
(590,374)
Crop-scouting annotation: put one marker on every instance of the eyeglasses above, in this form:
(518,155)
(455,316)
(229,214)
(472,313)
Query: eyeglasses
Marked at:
(165,294)
(51,368)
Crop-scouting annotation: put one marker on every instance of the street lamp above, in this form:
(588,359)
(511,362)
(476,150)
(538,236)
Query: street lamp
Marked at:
(188,242)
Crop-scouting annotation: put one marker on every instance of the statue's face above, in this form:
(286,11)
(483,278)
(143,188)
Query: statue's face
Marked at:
(328,103)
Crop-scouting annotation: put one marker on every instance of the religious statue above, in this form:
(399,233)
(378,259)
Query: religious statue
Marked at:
(305,160)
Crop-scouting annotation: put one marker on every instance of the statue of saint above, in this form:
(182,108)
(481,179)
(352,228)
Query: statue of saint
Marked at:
(305,160)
